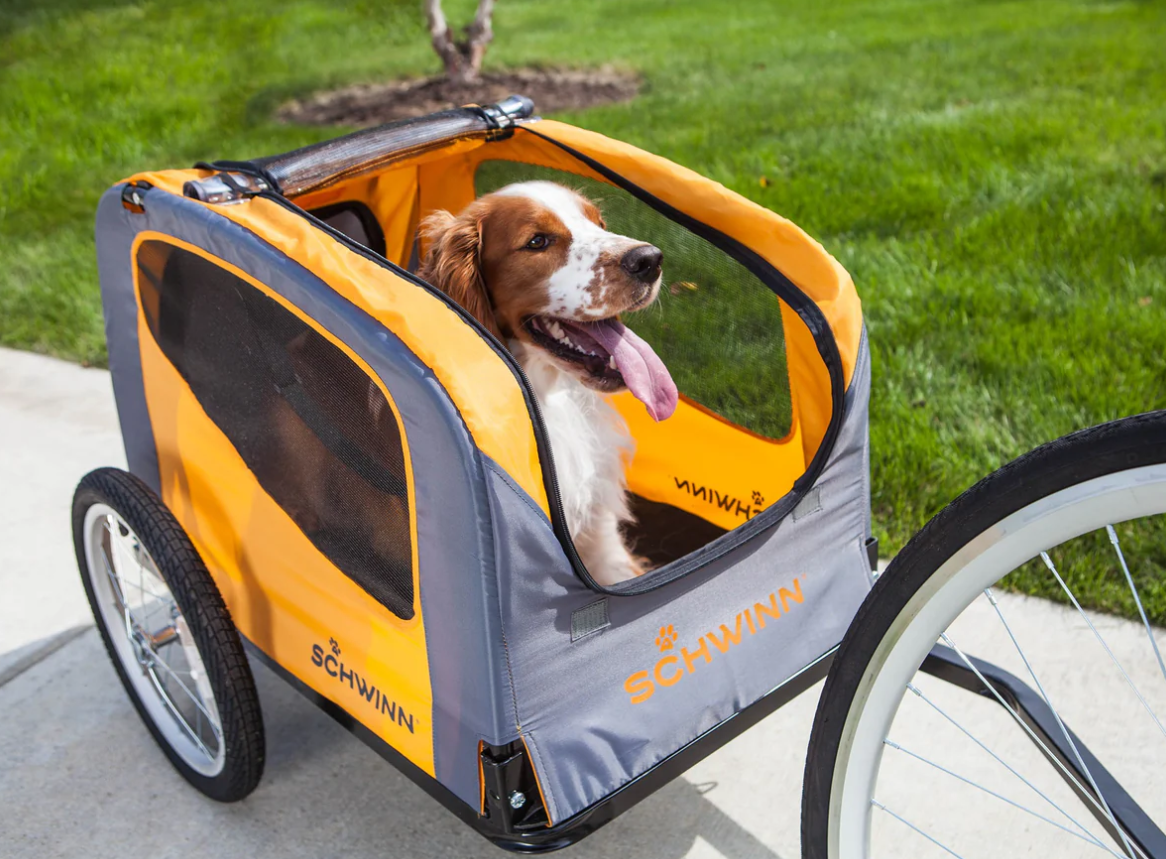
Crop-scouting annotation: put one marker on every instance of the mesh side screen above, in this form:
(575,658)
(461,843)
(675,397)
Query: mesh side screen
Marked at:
(318,435)
(715,325)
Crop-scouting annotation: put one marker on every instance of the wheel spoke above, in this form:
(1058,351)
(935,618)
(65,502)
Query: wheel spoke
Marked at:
(1052,568)
(1067,773)
(919,693)
(142,617)
(1088,837)
(903,820)
(1043,509)
(116,545)
(1137,599)
(118,596)
(1061,725)
(115,582)
(177,715)
(159,639)
(211,721)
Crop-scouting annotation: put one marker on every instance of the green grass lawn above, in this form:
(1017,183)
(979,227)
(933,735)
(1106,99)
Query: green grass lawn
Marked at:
(993,174)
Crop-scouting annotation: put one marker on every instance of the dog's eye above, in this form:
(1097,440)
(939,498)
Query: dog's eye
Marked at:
(538,242)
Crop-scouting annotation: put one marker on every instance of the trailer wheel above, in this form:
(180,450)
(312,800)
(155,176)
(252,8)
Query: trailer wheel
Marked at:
(168,634)
(904,761)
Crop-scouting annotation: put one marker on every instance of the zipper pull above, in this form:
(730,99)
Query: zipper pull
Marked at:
(226,188)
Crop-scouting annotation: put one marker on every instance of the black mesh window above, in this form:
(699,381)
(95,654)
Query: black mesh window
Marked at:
(317,433)
(716,326)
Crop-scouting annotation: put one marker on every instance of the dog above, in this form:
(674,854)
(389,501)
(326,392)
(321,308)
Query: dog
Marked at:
(535,264)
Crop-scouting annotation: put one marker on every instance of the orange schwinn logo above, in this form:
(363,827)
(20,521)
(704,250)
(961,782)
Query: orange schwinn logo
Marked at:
(673,666)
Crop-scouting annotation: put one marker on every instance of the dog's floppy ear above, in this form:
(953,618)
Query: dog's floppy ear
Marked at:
(452,263)
(591,211)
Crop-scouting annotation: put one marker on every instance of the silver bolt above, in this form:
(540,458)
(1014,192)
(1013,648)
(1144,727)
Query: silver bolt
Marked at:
(517,799)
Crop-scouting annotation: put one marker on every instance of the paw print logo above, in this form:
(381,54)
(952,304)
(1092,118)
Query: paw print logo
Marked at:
(666,638)
(335,646)
(758,498)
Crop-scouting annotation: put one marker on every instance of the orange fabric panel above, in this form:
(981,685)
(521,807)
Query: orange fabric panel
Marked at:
(773,237)
(393,199)
(707,466)
(537,783)
(283,594)
(781,242)
(484,390)
(445,179)
(449,184)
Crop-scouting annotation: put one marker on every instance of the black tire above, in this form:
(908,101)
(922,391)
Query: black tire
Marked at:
(206,615)
(1128,443)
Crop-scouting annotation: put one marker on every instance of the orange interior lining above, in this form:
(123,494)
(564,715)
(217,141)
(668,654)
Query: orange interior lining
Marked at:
(696,461)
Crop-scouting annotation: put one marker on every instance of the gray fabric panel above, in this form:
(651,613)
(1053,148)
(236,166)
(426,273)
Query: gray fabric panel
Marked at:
(115,230)
(585,735)
(471,700)
(864,351)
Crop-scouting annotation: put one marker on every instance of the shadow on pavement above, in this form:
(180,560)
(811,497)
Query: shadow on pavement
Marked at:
(83,777)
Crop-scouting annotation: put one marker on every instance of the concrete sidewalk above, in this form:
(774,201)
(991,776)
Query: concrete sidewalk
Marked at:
(79,775)
(57,422)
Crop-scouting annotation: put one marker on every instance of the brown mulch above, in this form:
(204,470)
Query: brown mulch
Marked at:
(553,90)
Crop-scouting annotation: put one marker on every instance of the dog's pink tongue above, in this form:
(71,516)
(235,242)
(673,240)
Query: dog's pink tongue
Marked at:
(643,371)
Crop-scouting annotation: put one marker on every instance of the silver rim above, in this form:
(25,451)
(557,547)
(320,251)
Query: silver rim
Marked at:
(152,641)
(960,749)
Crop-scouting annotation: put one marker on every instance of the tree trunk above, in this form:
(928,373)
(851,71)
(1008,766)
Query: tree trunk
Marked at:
(462,58)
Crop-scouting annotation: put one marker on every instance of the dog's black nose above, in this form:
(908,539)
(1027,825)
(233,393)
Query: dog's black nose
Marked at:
(643,263)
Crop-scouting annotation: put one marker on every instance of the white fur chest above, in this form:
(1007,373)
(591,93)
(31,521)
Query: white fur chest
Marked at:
(588,439)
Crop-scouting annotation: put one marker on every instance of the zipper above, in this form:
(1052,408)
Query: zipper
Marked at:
(542,441)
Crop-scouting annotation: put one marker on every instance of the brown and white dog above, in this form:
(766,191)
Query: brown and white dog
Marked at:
(536,265)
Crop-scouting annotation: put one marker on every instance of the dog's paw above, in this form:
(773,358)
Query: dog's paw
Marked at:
(335,646)
(666,639)
(758,498)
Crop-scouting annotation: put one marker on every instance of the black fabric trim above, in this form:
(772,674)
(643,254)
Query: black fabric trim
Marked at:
(546,457)
(781,285)
(819,328)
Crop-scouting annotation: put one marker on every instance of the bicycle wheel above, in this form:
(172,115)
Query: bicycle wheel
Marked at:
(1063,749)
(168,634)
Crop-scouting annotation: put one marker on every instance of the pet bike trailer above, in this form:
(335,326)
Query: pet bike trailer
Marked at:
(459,634)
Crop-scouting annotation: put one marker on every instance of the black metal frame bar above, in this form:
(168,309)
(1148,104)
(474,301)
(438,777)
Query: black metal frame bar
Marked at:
(509,831)
(945,664)
(323,164)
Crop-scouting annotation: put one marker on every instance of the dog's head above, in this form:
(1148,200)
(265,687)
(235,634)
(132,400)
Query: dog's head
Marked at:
(534,262)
